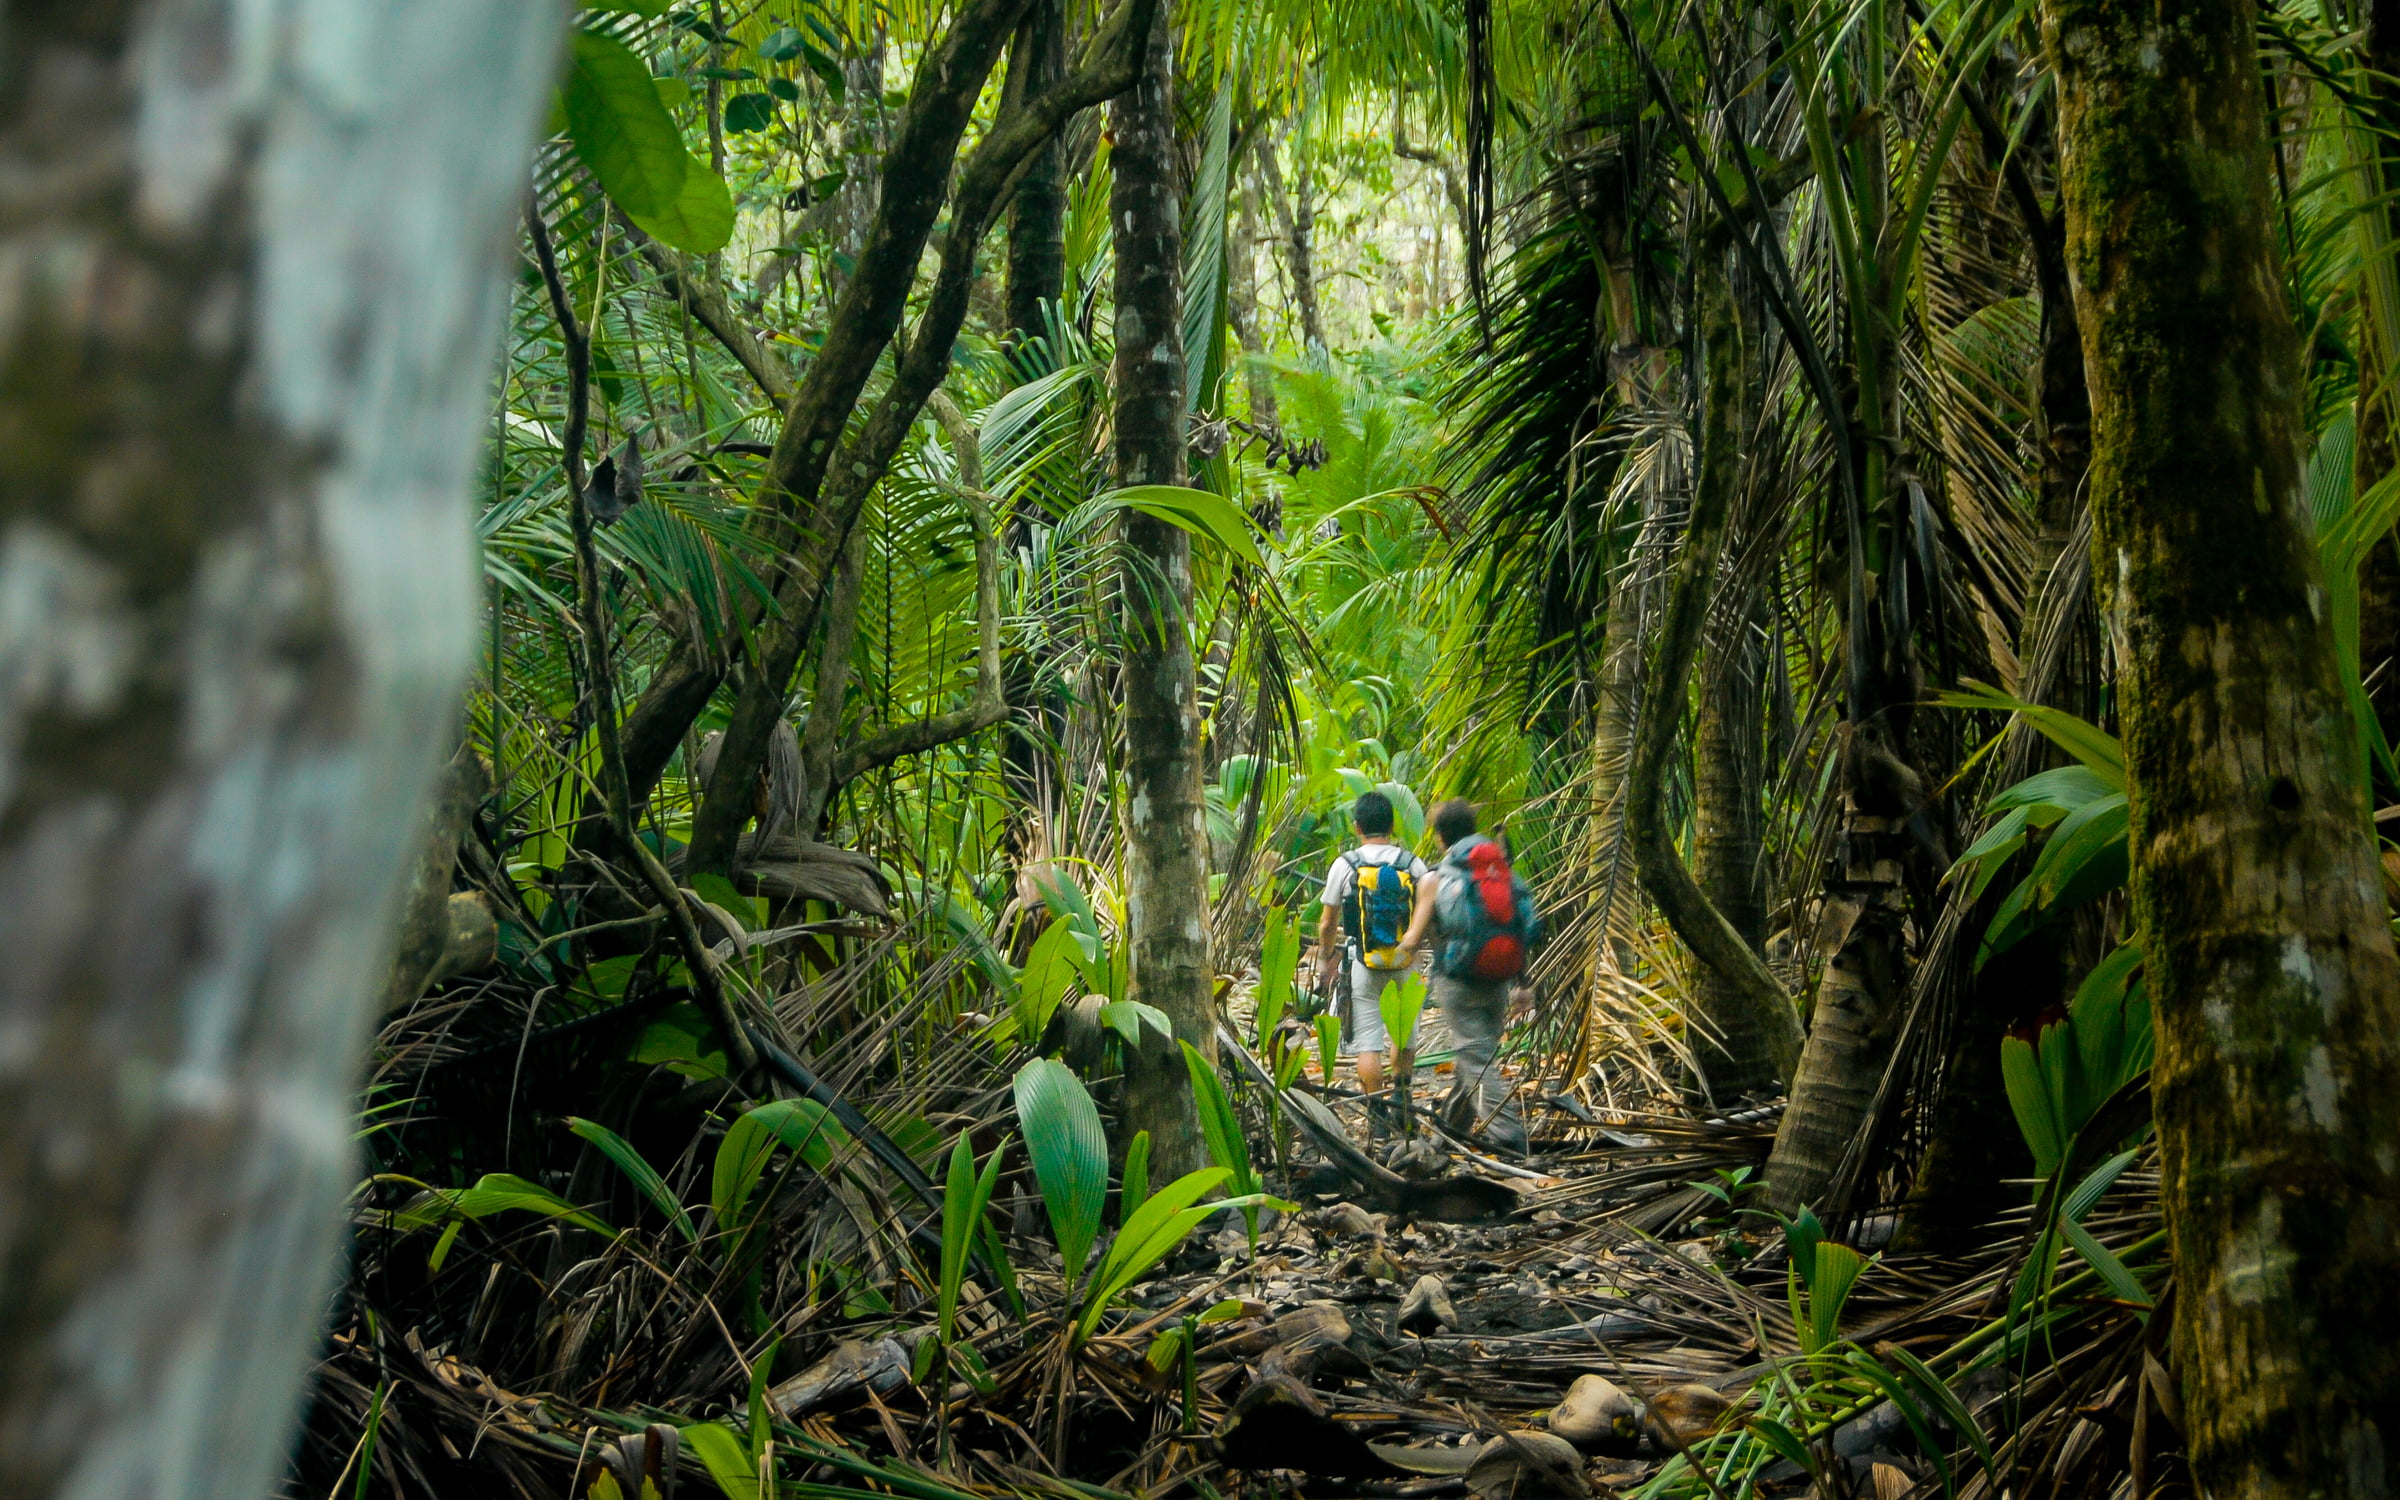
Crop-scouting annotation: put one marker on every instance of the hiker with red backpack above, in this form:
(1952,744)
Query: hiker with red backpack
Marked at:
(1370,896)
(1485,929)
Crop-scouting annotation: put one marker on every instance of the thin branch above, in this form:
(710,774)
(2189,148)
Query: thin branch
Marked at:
(707,985)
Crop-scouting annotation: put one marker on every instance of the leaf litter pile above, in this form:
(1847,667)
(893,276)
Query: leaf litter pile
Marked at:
(942,1280)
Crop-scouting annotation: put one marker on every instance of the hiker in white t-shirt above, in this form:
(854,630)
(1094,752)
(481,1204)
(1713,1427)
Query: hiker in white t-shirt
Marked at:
(1369,896)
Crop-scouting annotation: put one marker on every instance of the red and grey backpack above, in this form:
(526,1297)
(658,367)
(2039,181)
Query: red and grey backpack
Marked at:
(1488,922)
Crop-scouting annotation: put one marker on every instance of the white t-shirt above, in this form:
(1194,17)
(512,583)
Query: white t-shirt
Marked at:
(1342,879)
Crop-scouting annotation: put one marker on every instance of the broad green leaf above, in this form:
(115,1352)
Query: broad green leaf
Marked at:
(1070,1155)
(643,1176)
(1408,814)
(2095,1186)
(629,7)
(1166,1348)
(684,1040)
(1204,514)
(620,129)
(726,1458)
(493,1193)
(1220,1122)
(717,891)
(2029,1099)
(746,114)
(1123,1268)
(2064,787)
(2086,850)
(2093,746)
(1135,1190)
(700,220)
(1127,1018)
(1401,1004)
(1051,972)
(963,1199)
(1150,1234)
(804,1125)
(1278,966)
(1838,1270)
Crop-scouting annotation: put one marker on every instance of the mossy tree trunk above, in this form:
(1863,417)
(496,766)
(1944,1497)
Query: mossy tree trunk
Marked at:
(2255,889)
(244,381)
(1166,830)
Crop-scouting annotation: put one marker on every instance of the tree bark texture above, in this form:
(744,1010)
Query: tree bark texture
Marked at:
(1166,830)
(1037,217)
(1729,765)
(1727,390)
(2254,885)
(250,255)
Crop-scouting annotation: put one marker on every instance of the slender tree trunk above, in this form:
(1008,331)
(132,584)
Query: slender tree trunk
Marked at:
(1241,263)
(1728,390)
(2255,889)
(821,737)
(1166,833)
(1727,836)
(243,385)
(1037,276)
(1296,217)
(1037,218)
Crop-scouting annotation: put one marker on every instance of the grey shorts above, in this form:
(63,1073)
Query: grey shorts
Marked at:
(1367,1031)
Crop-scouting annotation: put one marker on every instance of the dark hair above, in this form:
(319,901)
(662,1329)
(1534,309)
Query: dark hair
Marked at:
(1453,820)
(1372,812)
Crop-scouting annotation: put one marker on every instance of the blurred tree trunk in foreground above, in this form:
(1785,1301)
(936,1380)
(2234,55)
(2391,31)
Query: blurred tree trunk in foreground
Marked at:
(249,261)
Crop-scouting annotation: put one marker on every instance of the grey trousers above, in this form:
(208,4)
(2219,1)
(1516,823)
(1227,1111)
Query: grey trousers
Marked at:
(1481,1097)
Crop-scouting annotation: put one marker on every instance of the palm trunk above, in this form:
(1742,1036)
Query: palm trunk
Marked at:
(243,388)
(1727,833)
(1727,347)
(2271,968)
(1166,832)
(1851,1024)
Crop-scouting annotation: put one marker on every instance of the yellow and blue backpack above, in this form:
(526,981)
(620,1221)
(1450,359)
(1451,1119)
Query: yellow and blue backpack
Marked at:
(1376,914)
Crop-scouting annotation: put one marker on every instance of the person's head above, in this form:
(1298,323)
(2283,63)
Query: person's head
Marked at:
(1372,815)
(1453,820)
